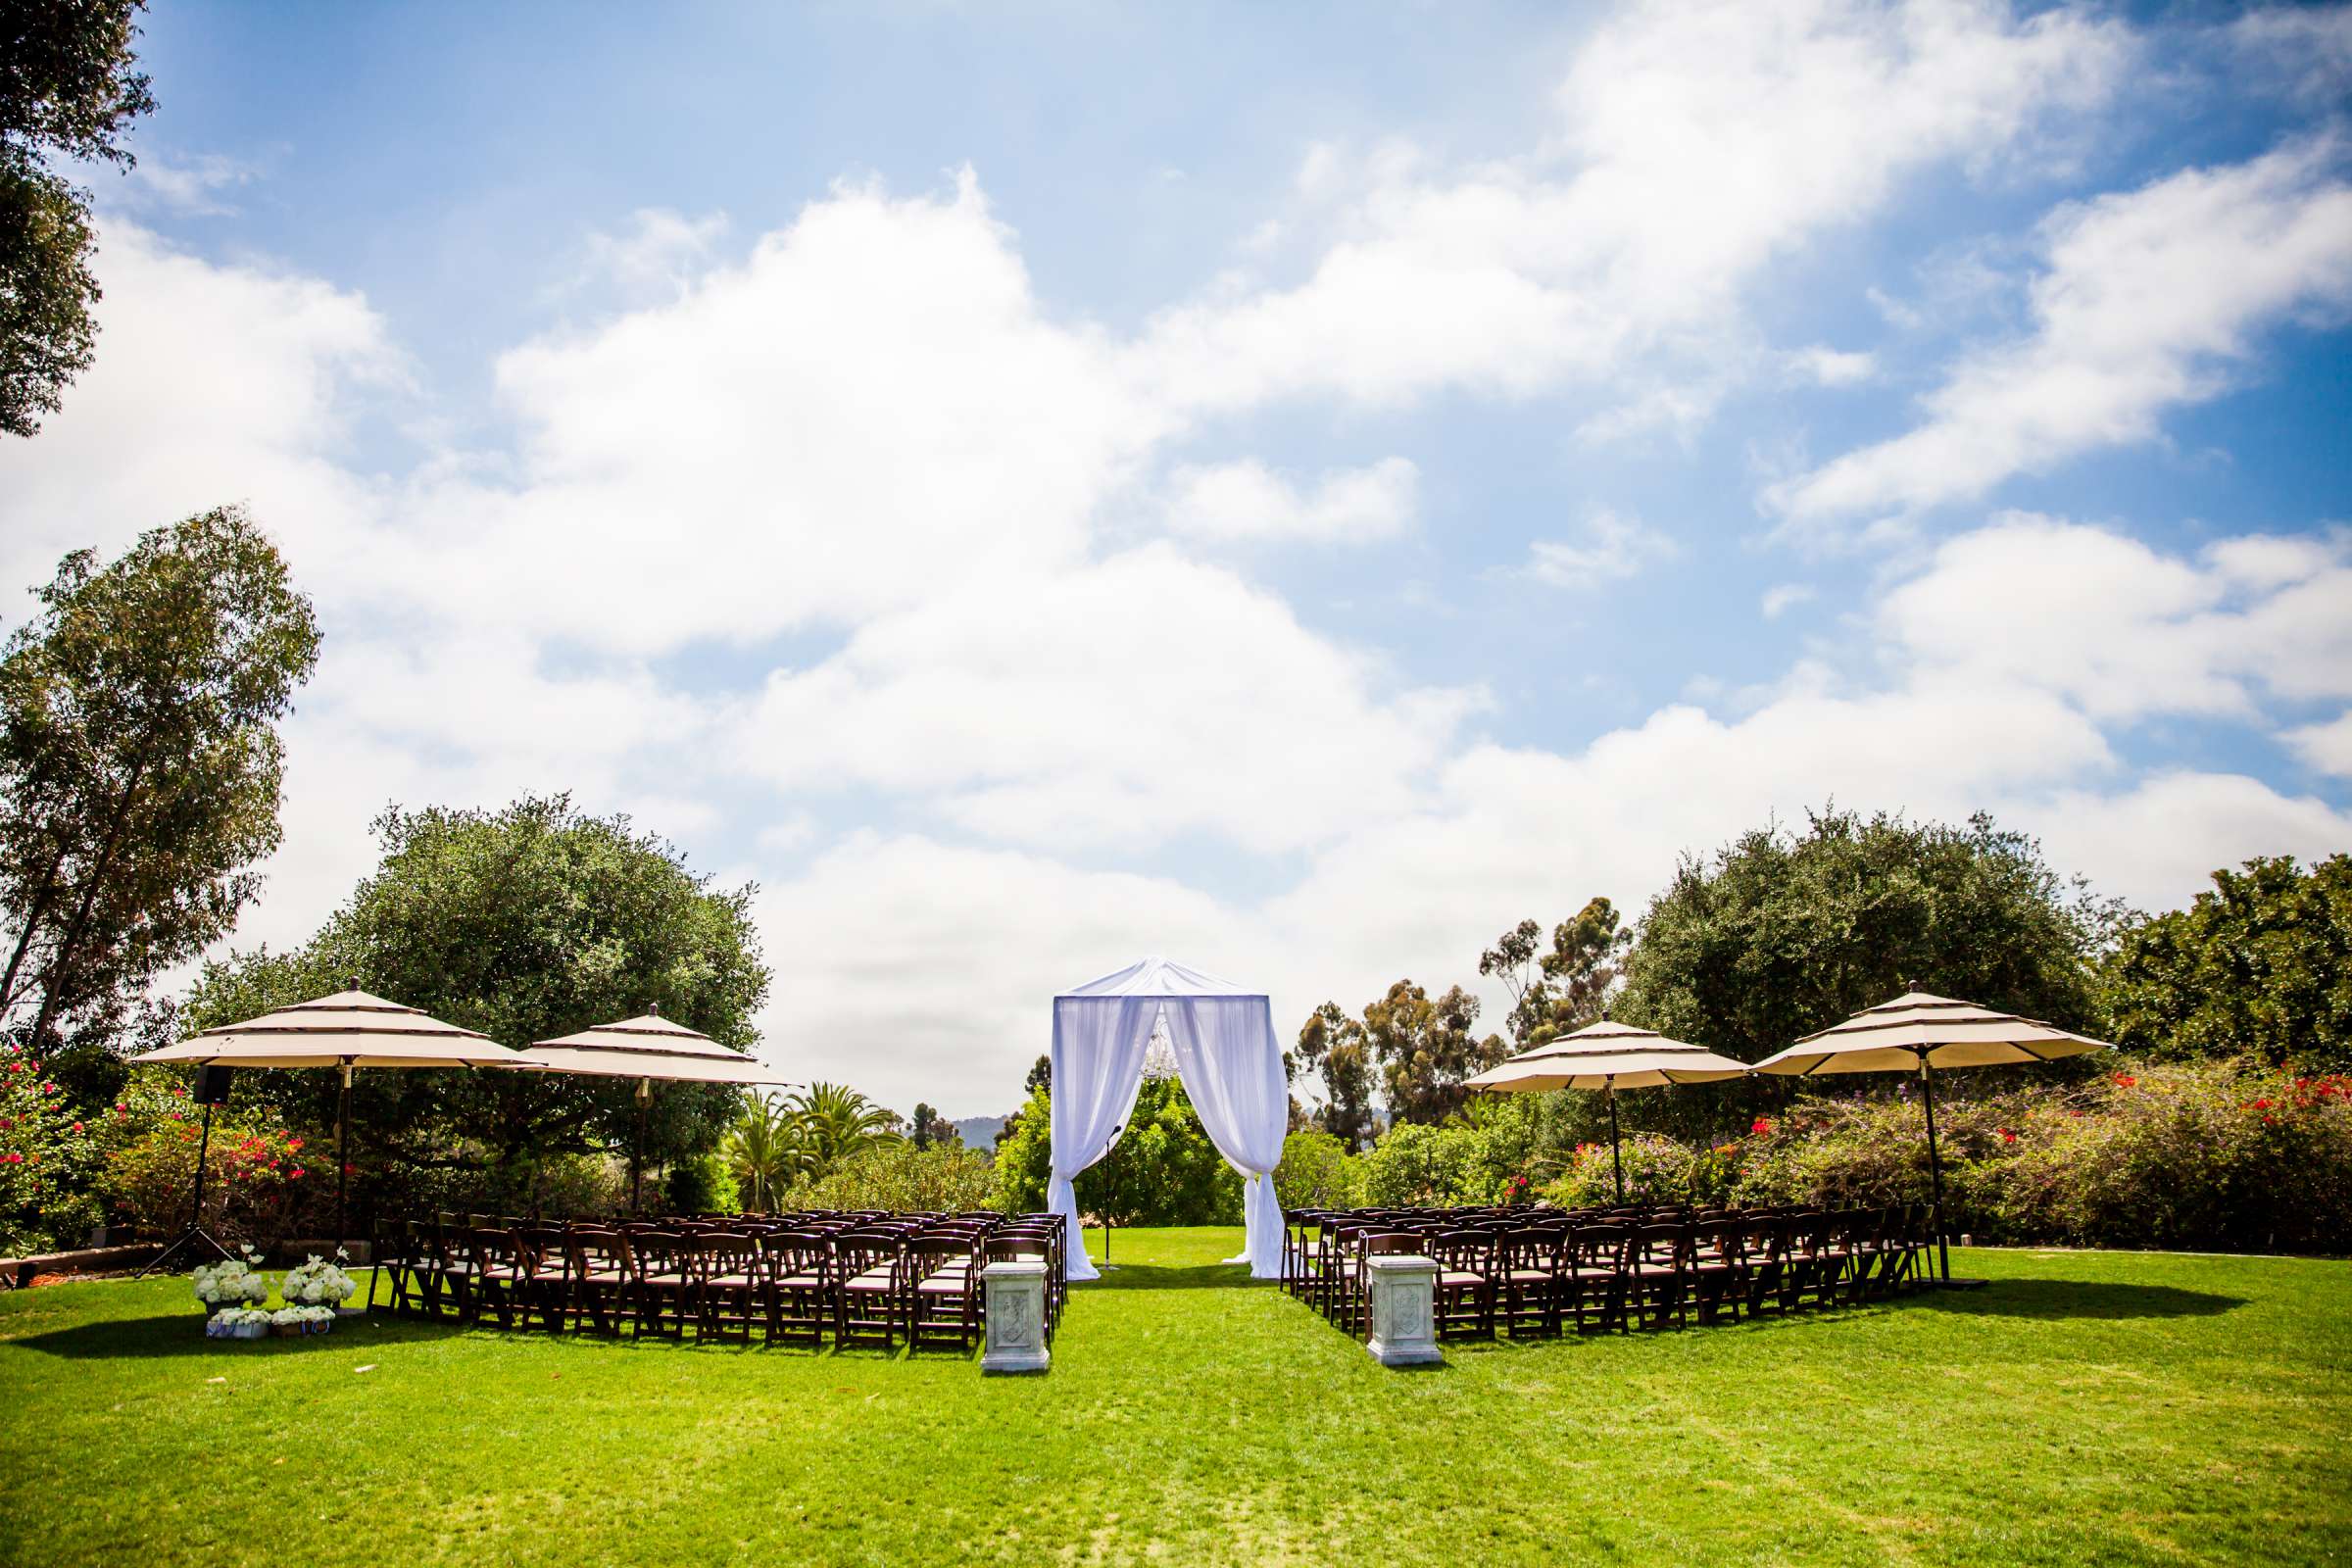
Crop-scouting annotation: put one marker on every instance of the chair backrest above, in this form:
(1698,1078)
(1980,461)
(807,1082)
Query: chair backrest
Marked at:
(1465,1251)
(1591,1247)
(1008,1247)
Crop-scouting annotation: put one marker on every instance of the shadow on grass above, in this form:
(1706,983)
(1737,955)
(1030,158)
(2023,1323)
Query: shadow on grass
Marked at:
(182,1333)
(2080,1299)
(1157,1277)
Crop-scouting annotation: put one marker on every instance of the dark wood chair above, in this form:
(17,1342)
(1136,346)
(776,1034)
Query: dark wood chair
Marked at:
(867,1288)
(941,1293)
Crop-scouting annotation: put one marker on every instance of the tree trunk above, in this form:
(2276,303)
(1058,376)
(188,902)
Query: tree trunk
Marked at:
(33,925)
(62,966)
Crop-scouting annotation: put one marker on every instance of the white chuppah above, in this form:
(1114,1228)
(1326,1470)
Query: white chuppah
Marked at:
(1226,1055)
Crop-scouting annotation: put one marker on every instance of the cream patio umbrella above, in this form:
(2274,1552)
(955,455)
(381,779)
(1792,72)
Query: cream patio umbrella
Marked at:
(350,1029)
(647,1048)
(1919,1032)
(1609,1056)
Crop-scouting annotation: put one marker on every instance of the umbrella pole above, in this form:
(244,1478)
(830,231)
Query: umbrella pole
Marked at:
(645,1094)
(342,1152)
(1616,1154)
(1927,1083)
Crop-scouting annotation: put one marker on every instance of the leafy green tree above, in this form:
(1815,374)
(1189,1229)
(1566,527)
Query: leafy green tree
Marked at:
(1334,1045)
(2262,963)
(1024,1162)
(68,90)
(1560,990)
(1780,934)
(1163,1170)
(1425,1049)
(1041,1076)
(525,923)
(927,1127)
(139,766)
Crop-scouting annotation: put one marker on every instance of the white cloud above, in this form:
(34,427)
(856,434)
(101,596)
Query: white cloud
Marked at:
(1780,597)
(2306,48)
(1695,145)
(2149,299)
(189,187)
(2124,630)
(2326,748)
(1609,547)
(1822,366)
(1247,501)
(1118,704)
(658,256)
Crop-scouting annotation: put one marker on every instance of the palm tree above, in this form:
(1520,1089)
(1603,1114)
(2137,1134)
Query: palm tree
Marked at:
(833,1120)
(765,1150)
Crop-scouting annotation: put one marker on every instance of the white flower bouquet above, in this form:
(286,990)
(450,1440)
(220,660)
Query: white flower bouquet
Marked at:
(302,1319)
(237,1323)
(232,1282)
(318,1283)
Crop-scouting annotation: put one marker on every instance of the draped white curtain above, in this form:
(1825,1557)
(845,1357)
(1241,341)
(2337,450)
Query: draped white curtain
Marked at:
(1098,1066)
(1232,1070)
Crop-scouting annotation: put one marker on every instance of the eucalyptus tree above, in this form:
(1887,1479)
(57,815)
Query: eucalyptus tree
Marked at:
(140,765)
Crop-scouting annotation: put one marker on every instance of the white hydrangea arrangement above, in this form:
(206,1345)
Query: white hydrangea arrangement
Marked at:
(309,1319)
(237,1323)
(233,1281)
(318,1283)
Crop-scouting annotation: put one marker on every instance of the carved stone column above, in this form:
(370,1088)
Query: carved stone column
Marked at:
(1404,1324)
(1016,1317)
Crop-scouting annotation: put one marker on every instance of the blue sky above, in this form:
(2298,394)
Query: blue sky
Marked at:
(1298,490)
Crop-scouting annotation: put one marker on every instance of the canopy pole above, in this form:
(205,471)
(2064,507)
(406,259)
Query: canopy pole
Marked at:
(1943,1252)
(342,1152)
(1609,1092)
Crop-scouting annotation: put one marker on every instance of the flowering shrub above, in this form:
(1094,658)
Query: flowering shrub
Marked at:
(318,1283)
(1657,1170)
(1316,1172)
(2214,1154)
(258,1182)
(46,1153)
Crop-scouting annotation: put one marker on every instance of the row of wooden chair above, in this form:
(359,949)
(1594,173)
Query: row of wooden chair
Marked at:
(1542,1271)
(852,1279)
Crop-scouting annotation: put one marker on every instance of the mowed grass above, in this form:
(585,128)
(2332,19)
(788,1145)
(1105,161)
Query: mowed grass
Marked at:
(2085,1408)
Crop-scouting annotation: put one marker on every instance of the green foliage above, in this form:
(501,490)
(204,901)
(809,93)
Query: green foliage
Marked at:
(1024,1162)
(1316,1172)
(699,1184)
(1657,1170)
(68,91)
(2263,962)
(1473,1160)
(1780,934)
(1163,1170)
(1560,990)
(927,1127)
(899,1176)
(139,766)
(525,923)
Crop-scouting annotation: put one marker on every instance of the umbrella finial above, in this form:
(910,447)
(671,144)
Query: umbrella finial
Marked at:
(355,982)
(653,1011)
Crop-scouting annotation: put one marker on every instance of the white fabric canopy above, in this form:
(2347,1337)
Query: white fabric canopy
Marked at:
(1231,1066)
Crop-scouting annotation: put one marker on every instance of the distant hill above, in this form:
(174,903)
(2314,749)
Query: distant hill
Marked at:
(980,1132)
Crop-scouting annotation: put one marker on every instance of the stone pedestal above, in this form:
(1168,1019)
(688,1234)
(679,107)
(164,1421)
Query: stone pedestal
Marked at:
(1404,1326)
(1016,1317)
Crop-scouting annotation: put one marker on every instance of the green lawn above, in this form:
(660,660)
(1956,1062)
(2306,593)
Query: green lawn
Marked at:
(2087,1408)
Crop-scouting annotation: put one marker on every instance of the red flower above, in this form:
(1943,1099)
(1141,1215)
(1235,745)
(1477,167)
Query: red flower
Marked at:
(2261,1104)
(1761,1127)
(2008,1137)
(77,1126)
(2124,1080)
(295,1174)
